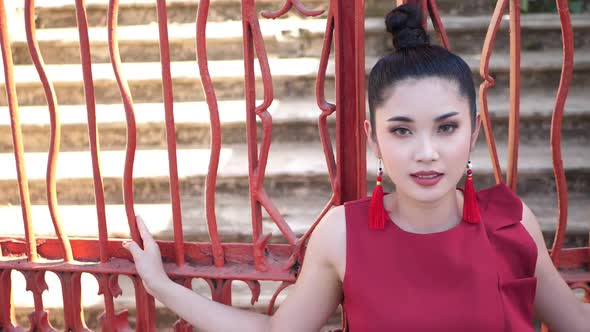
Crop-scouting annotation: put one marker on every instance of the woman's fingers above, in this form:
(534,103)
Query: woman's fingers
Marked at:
(146,237)
(144,232)
(133,248)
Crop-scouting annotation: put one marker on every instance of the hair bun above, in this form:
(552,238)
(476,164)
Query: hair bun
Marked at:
(405,24)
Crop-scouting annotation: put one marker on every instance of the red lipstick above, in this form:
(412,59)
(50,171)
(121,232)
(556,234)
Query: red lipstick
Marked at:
(427,178)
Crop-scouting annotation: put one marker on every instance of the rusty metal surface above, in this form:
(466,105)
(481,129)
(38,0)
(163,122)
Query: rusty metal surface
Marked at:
(218,263)
(567,36)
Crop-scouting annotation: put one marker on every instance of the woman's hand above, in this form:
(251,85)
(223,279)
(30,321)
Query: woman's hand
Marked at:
(148,262)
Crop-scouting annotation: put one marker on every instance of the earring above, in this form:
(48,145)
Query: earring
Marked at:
(377,210)
(470,208)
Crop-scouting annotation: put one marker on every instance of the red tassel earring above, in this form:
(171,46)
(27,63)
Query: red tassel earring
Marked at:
(377,210)
(470,207)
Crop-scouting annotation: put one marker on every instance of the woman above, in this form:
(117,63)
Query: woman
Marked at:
(429,256)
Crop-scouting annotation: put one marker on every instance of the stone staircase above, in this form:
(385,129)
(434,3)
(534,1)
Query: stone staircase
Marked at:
(299,189)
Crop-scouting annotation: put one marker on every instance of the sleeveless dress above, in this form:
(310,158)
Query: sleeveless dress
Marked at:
(473,277)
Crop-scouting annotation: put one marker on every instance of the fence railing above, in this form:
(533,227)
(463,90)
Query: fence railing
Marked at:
(218,263)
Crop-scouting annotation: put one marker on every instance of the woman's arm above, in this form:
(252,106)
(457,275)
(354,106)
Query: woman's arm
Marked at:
(555,303)
(207,315)
(310,303)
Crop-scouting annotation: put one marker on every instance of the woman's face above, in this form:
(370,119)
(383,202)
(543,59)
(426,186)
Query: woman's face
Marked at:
(424,125)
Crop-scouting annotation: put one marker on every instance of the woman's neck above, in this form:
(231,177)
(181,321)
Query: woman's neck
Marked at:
(425,217)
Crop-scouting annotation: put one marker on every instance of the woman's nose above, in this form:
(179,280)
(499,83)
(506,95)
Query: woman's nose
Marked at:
(426,150)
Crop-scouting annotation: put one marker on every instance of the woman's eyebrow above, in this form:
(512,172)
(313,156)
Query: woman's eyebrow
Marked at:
(402,118)
(444,116)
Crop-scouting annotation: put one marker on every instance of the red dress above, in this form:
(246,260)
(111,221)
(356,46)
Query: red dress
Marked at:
(473,277)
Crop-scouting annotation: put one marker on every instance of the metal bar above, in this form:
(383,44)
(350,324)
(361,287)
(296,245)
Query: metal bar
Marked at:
(109,320)
(85,58)
(146,307)
(488,82)
(170,130)
(108,283)
(567,36)
(215,125)
(127,99)
(350,100)
(17,140)
(437,23)
(287,6)
(514,117)
(266,120)
(249,10)
(71,283)
(73,313)
(327,108)
(35,281)
(239,257)
(7,318)
(55,126)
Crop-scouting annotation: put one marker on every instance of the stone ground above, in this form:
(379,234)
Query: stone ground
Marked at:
(297,178)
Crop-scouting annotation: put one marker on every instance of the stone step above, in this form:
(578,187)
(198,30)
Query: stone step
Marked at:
(286,38)
(300,208)
(285,172)
(294,120)
(61,13)
(291,78)
(299,211)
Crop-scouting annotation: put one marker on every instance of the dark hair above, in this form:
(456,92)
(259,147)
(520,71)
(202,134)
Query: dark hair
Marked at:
(413,58)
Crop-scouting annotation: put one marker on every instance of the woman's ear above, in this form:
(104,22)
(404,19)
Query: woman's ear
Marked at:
(372,138)
(475,132)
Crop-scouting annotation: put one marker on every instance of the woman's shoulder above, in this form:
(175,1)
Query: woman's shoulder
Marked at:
(506,218)
(330,234)
(502,205)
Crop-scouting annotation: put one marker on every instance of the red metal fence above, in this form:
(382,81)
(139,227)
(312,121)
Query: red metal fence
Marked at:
(219,264)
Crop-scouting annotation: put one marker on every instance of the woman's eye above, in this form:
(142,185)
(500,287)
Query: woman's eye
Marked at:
(448,128)
(401,131)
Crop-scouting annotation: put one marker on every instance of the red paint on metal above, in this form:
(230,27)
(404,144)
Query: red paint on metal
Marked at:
(572,258)
(17,139)
(238,256)
(215,125)
(567,68)
(327,109)
(127,99)
(170,130)
(109,288)
(287,6)
(7,318)
(484,71)
(72,304)
(437,24)
(513,119)
(108,283)
(35,283)
(85,57)
(217,263)
(271,304)
(55,126)
(145,305)
(350,100)
(253,41)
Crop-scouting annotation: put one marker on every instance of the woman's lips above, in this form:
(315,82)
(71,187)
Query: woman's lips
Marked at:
(427,179)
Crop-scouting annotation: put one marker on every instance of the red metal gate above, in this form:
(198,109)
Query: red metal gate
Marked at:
(222,263)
